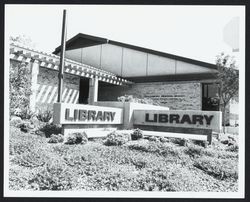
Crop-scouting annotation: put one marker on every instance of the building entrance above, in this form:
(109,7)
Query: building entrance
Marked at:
(210,97)
(84,91)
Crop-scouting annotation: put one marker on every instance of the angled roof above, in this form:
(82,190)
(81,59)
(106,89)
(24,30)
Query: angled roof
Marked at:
(50,61)
(84,40)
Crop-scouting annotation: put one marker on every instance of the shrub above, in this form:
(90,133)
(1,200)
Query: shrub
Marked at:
(36,157)
(50,129)
(115,138)
(130,98)
(233,148)
(164,139)
(26,113)
(56,138)
(76,138)
(54,176)
(180,141)
(153,138)
(45,116)
(156,148)
(15,121)
(137,134)
(19,88)
(193,150)
(218,168)
(224,141)
(202,143)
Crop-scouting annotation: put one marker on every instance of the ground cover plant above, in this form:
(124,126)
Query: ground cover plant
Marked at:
(153,164)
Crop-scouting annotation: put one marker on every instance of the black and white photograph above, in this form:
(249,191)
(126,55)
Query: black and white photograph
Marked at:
(124,101)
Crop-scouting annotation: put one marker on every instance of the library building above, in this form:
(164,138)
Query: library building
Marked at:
(99,71)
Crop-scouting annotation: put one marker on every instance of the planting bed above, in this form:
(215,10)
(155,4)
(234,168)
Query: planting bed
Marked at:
(135,165)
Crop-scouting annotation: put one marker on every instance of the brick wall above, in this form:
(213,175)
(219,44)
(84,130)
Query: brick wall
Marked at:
(47,89)
(176,96)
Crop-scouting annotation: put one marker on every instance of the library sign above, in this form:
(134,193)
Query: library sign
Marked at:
(65,113)
(179,118)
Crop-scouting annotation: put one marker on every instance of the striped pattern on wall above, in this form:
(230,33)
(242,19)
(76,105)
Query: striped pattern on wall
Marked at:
(48,94)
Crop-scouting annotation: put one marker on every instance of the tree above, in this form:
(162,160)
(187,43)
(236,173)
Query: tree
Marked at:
(228,76)
(20,81)
(22,40)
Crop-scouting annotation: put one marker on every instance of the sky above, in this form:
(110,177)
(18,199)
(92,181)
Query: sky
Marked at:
(190,31)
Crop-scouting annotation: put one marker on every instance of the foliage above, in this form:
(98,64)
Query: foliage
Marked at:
(164,139)
(136,166)
(233,148)
(228,76)
(115,138)
(76,138)
(137,134)
(45,116)
(180,141)
(54,176)
(131,98)
(22,40)
(193,150)
(218,168)
(56,138)
(31,159)
(26,113)
(156,148)
(50,129)
(202,143)
(19,89)
(153,138)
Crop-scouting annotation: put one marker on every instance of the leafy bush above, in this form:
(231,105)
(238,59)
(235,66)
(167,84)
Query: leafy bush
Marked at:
(233,148)
(32,159)
(26,113)
(117,139)
(218,168)
(76,138)
(137,166)
(156,148)
(23,143)
(137,134)
(56,138)
(224,141)
(130,98)
(164,139)
(50,129)
(193,150)
(180,141)
(44,116)
(202,143)
(54,176)
(153,138)
(20,87)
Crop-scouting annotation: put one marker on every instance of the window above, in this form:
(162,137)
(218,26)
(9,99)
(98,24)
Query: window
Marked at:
(210,97)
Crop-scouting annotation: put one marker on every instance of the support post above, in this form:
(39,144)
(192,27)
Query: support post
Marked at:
(61,67)
(34,67)
(93,90)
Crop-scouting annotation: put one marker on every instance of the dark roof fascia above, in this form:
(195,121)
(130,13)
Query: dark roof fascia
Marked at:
(170,78)
(154,52)
(78,36)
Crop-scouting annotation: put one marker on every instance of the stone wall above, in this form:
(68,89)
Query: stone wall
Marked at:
(47,89)
(176,96)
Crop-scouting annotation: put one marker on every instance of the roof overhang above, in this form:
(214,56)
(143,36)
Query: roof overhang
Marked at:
(81,41)
(50,61)
(84,40)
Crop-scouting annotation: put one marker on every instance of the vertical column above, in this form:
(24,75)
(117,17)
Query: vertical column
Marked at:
(93,90)
(34,74)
